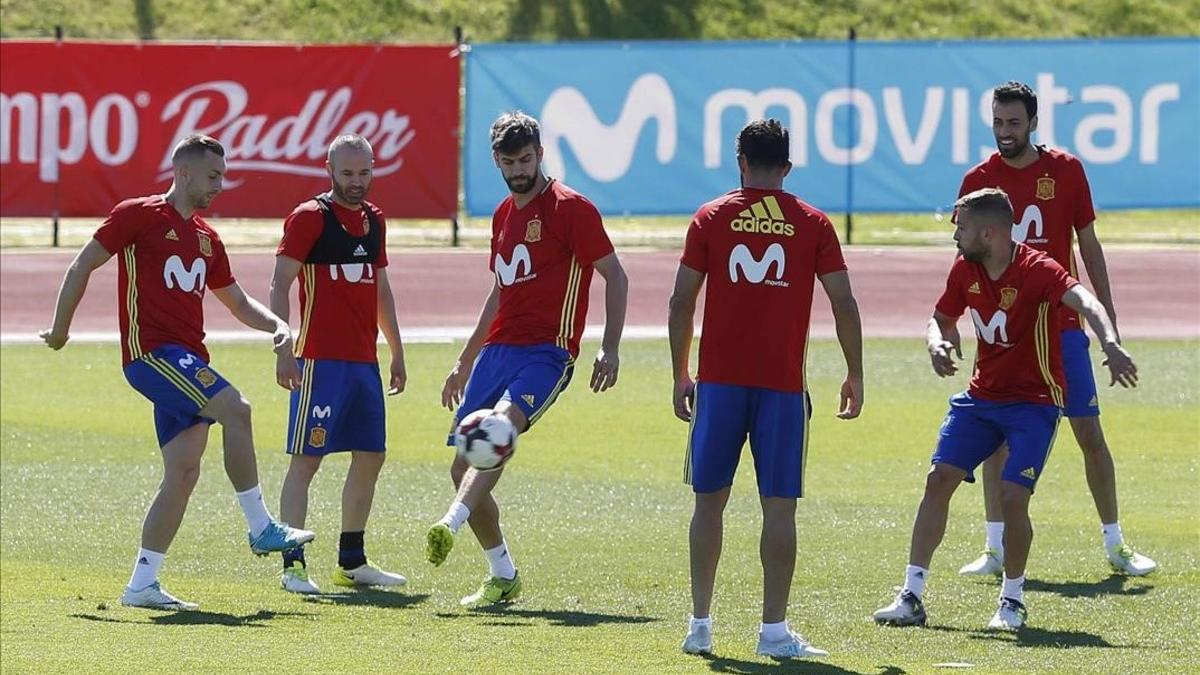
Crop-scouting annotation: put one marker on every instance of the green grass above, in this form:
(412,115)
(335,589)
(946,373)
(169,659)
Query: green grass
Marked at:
(597,519)
(499,20)
(1171,226)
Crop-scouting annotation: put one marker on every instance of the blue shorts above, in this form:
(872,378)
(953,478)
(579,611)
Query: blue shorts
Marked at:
(179,383)
(531,376)
(1081,381)
(338,407)
(974,429)
(776,423)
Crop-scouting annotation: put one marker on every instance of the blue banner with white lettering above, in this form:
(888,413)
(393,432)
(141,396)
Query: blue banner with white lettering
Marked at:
(649,128)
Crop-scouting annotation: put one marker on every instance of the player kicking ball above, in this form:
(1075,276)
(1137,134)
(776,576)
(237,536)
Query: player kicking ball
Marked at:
(546,241)
(169,255)
(1016,394)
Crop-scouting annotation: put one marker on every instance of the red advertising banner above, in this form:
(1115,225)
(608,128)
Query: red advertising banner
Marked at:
(85,125)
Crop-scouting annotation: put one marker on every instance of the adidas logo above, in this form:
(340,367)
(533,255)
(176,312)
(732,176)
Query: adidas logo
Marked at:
(1029,473)
(528,398)
(142,561)
(171,235)
(974,288)
(763,217)
(360,250)
(1095,402)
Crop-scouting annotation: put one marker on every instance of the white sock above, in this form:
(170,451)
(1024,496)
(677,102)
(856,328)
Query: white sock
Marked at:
(255,510)
(456,516)
(1013,589)
(145,568)
(695,624)
(500,561)
(1112,535)
(995,537)
(914,579)
(774,631)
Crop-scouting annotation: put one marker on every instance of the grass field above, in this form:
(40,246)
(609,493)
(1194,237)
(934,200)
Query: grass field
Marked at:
(597,520)
(499,20)
(1167,226)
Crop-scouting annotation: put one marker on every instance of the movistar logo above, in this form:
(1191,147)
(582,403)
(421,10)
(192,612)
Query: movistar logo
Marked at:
(175,273)
(990,330)
(743,262)
(763,217)
(1031,219)
(518,268)
(606,151)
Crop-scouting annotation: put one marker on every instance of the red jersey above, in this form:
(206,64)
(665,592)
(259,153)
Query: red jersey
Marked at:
(1018,357)
(166,263)
(338,302)
(542,257)
(762,251)
(1051,199)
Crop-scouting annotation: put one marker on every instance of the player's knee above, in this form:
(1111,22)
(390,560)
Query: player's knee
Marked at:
(1090,438)
(940,482)
(1014,498)
(457,471)
(181,478)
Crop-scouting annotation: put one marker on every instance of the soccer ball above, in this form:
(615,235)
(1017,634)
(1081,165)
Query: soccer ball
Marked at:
(486,439)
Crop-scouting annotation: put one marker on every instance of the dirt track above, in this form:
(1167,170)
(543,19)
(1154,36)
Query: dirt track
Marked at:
(1157,290)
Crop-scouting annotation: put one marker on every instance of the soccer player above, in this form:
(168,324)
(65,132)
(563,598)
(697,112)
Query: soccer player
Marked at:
(1013,293)
(546,241)
(1052,204)
(335,244)
(169,256)
(761,249)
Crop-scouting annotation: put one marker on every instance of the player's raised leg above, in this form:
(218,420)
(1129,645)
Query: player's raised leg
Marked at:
(232,411)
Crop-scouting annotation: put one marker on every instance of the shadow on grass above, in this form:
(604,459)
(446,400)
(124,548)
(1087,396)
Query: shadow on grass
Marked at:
(1037,637)
(1114,585)
(720,664)
(505,615)
(198,618)
(368,598)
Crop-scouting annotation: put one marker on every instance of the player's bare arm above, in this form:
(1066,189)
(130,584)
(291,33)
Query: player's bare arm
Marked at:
(287,372)
(1092,254)
(456,381)
(944,344)
(390,327)
(74,283)
(255,315)
(680,329)
(616,296)
(1120,363)
(848,324)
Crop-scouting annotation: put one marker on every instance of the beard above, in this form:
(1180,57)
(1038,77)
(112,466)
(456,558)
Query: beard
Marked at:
(350,196)
(520,184)
(1015,150)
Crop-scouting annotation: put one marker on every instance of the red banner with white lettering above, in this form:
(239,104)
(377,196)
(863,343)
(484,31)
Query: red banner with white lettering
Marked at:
(85,125)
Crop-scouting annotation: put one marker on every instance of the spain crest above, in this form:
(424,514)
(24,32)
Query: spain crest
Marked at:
(316,437)
(1008,296)
(533,230)
(206,377)
(1045,188)
(205,244)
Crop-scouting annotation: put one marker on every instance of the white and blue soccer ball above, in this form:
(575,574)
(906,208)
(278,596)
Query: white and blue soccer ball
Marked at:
(486,439)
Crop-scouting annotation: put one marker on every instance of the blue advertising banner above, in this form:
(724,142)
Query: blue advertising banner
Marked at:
(649,128)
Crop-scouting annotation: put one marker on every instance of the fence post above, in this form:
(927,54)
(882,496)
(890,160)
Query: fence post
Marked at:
(458,44)
(58,39)
(851,129)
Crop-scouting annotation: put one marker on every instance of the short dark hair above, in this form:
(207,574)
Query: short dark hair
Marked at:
(1016,91)
(514,130)
(990,203)
(195,145)
(764,144)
